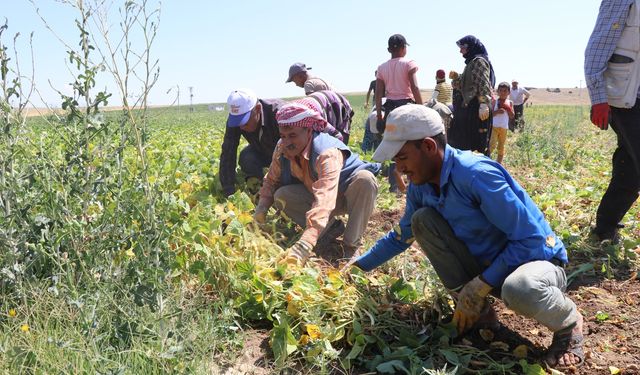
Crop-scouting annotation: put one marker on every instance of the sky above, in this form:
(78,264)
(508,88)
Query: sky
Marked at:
(218,46)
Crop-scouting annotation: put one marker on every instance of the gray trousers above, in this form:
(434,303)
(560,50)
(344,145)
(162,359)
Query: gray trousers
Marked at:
(357,201)
(535,289)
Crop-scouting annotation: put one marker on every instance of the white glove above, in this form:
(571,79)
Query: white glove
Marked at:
(297,254)
(483,111)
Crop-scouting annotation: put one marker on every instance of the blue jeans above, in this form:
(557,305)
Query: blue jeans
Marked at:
(535,289)
(370,141)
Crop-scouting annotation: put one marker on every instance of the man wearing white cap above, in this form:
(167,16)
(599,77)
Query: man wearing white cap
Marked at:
(255,120)
(299,74)
(480,230)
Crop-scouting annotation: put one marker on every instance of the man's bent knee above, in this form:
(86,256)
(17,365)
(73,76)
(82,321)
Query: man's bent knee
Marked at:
(423,220)
(522,294)
(283,195)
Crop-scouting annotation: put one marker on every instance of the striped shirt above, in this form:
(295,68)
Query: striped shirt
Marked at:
(336,109)
(445,92)
(611,20)
(324,188)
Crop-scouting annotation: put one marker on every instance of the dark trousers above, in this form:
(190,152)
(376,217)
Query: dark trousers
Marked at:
(370,141)
(467,131)
(252,162)
(625,176)
(518,118)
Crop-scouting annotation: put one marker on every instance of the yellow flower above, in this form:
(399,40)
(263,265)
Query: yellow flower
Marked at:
(129,253)
(259,297)
(12,313)
(24,328)
(314,331)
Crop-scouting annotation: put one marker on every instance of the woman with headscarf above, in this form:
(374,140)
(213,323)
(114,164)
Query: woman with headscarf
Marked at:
(471,125)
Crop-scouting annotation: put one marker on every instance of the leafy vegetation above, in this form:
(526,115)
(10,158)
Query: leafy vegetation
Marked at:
(120,254)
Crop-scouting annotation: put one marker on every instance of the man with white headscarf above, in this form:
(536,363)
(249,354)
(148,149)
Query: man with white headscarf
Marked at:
(314,177)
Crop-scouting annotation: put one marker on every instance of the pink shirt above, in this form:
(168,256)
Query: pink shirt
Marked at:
(395,74)
(324,189)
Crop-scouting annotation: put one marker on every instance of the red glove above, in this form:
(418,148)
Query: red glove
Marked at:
(600,115)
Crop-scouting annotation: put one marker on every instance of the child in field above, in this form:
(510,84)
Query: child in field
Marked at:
(396,79)
(502,113)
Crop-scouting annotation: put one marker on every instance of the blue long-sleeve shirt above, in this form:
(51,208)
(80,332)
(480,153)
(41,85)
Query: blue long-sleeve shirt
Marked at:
(611,20)
(486,209)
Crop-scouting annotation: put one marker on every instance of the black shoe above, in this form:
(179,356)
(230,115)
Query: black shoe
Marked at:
(334,231)
(611,235)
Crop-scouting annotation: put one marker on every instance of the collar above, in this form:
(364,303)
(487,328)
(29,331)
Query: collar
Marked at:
(306,153)
(447,165)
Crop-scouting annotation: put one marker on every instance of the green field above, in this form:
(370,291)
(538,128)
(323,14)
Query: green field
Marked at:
(120,255)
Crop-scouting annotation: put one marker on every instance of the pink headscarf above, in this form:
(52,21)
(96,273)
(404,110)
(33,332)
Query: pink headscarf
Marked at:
(301,113)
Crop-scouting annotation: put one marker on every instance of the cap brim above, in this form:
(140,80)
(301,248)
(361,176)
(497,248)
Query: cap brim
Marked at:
(387,150)
(234,121)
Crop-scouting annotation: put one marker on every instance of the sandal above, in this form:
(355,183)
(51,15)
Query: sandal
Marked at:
(565,341)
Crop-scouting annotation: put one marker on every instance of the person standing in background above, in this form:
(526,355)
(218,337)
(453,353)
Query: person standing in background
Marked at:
(396,79)
(502,116)
(443,91)
(519,96)
(471,125)
(614,101)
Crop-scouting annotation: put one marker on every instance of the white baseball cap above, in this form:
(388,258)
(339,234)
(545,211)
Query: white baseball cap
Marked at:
(240,102)
(409,122)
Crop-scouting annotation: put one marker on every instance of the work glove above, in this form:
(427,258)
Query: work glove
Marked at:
(483,111)
(471,302)
(297,254)
(260,217)
(600,115)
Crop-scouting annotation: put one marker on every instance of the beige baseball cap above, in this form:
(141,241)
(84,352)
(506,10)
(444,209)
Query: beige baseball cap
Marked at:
(407,123)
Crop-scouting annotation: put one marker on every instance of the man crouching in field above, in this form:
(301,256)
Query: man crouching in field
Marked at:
(312,178)
(255,120)
(481,232)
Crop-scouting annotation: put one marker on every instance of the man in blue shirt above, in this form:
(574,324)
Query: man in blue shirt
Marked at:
(607,63)
(480,230)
